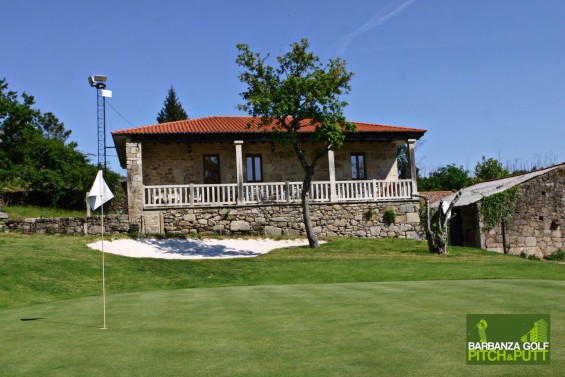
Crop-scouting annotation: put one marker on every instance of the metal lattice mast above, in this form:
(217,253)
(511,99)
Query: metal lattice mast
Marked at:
(99,82)
(101,115)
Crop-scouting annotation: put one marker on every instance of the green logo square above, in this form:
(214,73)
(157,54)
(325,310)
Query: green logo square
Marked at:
(508,339)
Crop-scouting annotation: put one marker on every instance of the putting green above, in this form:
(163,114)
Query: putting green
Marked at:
(353,329)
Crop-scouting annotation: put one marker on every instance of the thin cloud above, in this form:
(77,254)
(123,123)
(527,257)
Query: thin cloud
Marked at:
(377,19)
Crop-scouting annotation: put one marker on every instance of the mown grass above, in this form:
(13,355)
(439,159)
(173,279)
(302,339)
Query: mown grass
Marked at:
(411,328)
(23,212)
(37,269)
(354,307)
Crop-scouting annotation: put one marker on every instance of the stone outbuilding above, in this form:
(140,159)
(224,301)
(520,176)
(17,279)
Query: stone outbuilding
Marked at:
(536,221)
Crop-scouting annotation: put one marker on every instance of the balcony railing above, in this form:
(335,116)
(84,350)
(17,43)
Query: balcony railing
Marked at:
(274,192)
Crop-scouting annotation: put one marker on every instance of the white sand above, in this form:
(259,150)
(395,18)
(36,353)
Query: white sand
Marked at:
(193,248)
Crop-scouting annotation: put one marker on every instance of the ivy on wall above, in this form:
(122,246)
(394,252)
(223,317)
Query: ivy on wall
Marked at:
(498,206)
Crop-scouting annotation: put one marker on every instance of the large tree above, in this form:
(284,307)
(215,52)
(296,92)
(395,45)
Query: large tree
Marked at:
(37,166)
(172,108)
(299,92)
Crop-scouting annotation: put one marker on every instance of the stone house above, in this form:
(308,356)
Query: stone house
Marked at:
(535,225)
(220,175)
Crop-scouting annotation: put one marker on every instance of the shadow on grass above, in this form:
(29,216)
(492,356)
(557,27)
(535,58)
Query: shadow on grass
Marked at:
(42,319)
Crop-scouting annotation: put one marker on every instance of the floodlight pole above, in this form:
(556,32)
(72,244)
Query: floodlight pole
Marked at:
(101,115)
(99,82)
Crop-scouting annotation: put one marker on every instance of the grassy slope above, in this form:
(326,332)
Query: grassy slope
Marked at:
(38,269)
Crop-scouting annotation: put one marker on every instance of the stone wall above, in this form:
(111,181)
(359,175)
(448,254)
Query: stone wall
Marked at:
(327,219)
(536,225)
(68,225)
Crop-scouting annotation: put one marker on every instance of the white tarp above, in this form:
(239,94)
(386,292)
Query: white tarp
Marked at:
(476,192)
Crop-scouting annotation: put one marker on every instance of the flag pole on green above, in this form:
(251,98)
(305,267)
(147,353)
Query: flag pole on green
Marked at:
(98,195)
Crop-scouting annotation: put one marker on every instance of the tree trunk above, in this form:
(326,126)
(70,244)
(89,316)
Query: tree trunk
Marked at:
(309,170)
(435,227)
(306,185)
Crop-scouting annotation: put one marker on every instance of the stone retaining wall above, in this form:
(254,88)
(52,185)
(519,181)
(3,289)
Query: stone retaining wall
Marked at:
(327,219)
(68,225)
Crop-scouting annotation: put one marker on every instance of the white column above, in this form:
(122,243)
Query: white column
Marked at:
(413,174)
(239,170)
(331,166)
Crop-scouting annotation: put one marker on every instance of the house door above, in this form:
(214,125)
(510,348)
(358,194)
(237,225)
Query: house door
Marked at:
(456,229)
(211,169)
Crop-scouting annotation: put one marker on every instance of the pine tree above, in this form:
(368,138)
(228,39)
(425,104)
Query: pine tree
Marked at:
(172,108)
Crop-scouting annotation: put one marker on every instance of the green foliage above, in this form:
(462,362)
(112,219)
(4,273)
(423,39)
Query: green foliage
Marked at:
(449,177)
(20,212)
(558,255)
(36,166)
(300,92)
(489,169)
(370,213)
(389,216)
(498,206)
(172,108)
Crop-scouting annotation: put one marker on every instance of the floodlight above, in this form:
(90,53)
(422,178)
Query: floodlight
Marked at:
(99,82)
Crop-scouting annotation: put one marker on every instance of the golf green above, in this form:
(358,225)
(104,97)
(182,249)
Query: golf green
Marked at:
(354,329)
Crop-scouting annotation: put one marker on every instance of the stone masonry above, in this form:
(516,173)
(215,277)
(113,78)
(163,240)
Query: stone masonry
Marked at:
(78,226)
(536,225)
(351,219)
(172,163)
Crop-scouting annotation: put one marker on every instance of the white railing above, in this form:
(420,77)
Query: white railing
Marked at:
(192,195)
(274,192)
(374,190)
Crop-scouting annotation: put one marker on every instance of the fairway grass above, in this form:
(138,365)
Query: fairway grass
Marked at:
(412,328)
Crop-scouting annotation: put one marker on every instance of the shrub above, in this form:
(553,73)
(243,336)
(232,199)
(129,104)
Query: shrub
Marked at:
(389,216)
(558,255)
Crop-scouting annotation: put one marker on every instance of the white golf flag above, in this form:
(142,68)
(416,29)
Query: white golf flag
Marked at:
(99,192)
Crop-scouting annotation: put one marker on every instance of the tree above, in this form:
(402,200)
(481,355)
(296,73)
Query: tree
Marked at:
(436,224)
(54,129)
(489,169)
(449,177)
(36,165)
(300,92)
(172,108)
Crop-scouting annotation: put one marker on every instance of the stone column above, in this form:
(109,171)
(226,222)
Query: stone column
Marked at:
(331,167)
(135,181)
(239,170)
(412,157)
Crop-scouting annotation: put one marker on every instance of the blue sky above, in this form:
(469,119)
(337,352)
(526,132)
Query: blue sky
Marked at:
(483,77)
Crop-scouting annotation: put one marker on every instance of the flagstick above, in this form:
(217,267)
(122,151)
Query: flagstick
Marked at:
(103,274)
(98,195)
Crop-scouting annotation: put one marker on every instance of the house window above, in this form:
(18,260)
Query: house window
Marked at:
(211,168)
(358,166)
(254,165)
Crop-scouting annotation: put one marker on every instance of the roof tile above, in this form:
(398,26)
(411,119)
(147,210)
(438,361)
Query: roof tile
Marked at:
(235,124)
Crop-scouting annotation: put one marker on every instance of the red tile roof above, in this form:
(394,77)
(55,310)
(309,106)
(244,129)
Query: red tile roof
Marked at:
(235,124)
(436,196)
